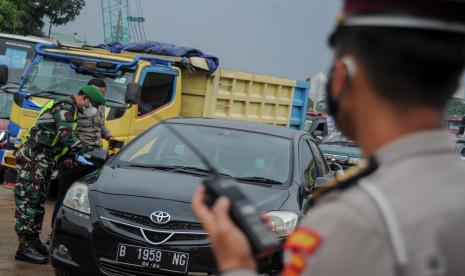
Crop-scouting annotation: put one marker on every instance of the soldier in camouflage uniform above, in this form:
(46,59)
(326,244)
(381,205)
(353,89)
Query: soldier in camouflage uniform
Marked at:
(49,139)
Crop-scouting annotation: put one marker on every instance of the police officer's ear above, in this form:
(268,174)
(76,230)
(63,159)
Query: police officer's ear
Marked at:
(341,76)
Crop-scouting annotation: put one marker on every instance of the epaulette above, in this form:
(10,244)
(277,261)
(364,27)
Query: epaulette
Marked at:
(349,178)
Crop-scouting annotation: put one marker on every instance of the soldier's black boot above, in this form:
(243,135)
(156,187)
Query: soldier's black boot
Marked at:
(39,245)
(28,252)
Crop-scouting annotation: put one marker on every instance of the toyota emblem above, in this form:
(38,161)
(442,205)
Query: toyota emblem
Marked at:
(160,217)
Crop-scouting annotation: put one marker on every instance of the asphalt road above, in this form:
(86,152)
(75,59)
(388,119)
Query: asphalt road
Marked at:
(9,241)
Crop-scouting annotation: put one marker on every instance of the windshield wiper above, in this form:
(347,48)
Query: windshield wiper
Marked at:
(154,167)
(181,169)
(49,92)
(196,170)
(258,180)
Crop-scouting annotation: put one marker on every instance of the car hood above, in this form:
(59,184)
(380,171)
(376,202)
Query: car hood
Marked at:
(341,150)
(173,186)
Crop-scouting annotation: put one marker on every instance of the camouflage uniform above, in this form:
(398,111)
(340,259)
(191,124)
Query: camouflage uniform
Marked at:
(50,138)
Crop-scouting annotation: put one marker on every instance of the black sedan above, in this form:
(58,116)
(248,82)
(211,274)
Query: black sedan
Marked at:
(134,217)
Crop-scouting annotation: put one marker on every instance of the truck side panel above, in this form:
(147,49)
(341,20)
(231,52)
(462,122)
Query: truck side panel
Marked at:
(238,95)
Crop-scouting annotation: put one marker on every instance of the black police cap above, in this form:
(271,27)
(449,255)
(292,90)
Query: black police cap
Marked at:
(434,15)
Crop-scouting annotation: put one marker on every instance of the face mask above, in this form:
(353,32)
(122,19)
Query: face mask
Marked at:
(89,110)
(180,150)
(260,164)
(333,104)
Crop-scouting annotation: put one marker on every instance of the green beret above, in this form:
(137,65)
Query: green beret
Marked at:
(94,94)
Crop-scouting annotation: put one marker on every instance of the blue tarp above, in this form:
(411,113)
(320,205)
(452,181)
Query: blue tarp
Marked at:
(160,48)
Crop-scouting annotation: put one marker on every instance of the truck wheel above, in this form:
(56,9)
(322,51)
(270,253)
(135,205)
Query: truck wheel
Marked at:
(61,272)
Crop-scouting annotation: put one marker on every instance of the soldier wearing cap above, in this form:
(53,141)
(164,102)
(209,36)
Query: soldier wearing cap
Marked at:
(90,130)
(396,64)
(53,136)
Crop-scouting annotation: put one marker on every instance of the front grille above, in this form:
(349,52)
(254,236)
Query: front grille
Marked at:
(156,236)
(127,228)
(115,269)
(188,237)
(172,225)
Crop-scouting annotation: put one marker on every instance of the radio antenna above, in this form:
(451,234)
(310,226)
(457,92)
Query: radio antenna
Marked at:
(197,152)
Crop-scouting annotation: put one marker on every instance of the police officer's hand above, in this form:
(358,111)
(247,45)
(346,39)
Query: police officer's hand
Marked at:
(69,163)
(231,248)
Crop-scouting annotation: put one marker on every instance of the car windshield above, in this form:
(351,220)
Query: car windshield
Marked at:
(336,137)
(56,80)
(235,153)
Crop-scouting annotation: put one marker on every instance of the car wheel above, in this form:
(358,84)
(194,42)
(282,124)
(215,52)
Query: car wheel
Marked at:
(463,152)
(61,272)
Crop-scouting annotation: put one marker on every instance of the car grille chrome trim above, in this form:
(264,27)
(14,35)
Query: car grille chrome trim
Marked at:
(143,220)
(155,243)
(143,229)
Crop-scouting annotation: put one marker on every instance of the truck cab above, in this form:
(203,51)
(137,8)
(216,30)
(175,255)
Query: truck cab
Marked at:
(143,89)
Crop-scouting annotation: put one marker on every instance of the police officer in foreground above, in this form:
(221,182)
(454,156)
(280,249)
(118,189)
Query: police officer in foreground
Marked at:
(49,139)
(90,131)
(396,63)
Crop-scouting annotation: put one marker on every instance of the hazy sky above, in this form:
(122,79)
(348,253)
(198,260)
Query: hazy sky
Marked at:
(278,37)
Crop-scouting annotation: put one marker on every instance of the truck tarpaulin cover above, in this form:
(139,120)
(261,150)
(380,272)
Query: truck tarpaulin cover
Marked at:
(160,48)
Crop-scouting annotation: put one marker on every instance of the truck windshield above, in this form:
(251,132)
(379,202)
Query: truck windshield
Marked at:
(243,155)
(54,79)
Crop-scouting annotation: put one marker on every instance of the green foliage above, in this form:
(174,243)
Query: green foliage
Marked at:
(10,17)
(455,107)
(62,11)
(26,17)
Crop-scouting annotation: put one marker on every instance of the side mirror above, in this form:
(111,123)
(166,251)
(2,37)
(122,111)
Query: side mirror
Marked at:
(317,133)
(133,93)
(461,130)
(320,182)
(3,74)
(97,156)
(319,139)
(336,167)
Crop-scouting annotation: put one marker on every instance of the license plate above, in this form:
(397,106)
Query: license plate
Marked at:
(152,258)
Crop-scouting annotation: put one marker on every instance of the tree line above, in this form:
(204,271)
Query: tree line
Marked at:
(28,17)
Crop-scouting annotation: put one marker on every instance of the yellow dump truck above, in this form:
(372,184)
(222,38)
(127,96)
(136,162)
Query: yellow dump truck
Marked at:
(144,88)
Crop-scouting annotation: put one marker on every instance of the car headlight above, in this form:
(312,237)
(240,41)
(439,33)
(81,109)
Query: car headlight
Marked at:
(77,198)
(353,160)
(283,222)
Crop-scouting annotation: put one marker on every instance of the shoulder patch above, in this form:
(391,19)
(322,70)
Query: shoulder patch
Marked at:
(350,177)
(303,239)
(298,247)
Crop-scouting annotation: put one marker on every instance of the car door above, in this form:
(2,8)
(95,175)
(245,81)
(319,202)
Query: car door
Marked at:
(308,168)
(323,167)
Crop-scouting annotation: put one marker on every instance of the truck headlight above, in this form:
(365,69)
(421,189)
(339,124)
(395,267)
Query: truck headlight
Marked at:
(283,222)
(77,198)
